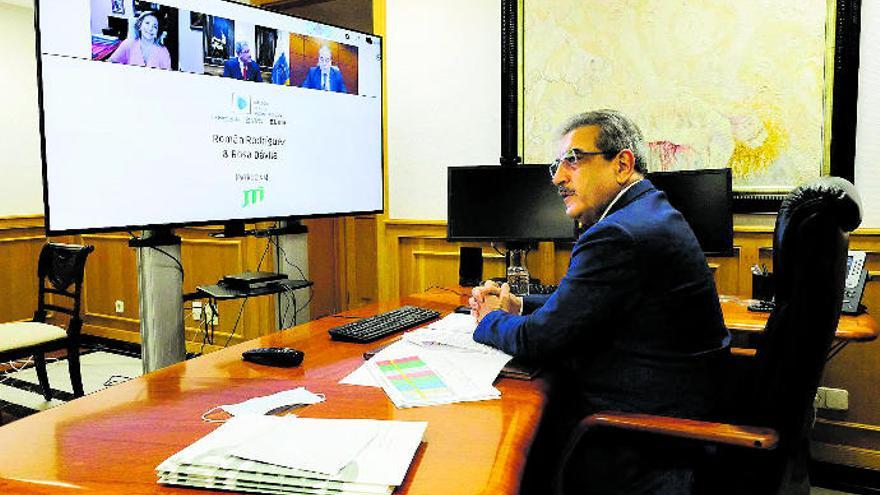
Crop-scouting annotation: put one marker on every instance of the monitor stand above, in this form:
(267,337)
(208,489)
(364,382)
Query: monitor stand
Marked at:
(160,298)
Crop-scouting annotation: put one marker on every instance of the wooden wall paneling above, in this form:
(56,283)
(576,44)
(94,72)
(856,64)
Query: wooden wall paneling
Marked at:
(324,266)
(726,272)
(541,263)
(15,226)
(562,256)
(368,282)
(391,233)
(361,276)
(258,317)
(18,276)
(436,262)
(754,245)
(205,261)
(111,275)
(494,264)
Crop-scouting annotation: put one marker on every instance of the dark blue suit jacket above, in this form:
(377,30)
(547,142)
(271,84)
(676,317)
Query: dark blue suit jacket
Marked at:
(313,80)
(635,324)
(232,68)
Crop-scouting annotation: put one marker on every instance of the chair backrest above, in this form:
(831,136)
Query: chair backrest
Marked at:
(810,245)
(60,267)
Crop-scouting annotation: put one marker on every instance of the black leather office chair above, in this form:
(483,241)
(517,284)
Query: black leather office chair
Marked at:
(60,267)
(775,400)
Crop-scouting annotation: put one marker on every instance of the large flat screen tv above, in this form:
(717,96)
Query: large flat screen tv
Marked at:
(203,111)
(510,204)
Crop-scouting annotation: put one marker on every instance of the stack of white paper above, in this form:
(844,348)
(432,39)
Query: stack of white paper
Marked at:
(427,379)
(284,455)
(456,331)
(448,347)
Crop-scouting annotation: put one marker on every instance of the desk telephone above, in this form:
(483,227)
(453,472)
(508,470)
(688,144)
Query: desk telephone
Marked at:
(854,286)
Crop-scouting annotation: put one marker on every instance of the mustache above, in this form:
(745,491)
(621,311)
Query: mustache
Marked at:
(561,190)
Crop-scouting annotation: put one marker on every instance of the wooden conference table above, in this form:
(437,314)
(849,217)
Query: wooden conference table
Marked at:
(111,441)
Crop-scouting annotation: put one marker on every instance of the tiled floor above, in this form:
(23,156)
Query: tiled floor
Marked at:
(99,370)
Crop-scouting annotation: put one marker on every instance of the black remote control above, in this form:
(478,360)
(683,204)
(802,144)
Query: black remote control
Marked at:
(284,357)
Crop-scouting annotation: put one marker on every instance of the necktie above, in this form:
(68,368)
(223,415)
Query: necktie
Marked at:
(324,85)
(244,72)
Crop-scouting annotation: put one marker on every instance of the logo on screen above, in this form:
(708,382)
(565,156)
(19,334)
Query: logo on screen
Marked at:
(241,103)
(253,196)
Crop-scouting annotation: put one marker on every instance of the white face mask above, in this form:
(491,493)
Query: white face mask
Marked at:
(262,405)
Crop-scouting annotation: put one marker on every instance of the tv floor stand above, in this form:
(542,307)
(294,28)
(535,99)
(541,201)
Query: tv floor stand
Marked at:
(160,301)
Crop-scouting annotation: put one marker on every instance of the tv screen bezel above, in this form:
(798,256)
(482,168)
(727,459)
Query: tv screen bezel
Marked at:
(214,221)
(571,239)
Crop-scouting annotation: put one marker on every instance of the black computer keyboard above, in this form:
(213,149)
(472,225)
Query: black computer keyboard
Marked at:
(376,327)
(542,289)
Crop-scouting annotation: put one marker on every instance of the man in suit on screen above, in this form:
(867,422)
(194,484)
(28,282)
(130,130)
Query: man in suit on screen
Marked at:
(325,76)
(242,66)
(635,324)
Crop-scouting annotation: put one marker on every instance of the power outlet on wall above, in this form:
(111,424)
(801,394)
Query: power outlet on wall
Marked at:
(211,316)
(120,306)
(197,310)
(835,399)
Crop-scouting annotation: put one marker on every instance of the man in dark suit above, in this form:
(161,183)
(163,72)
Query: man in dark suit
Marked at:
(635,324)
(325,76)
(242,66)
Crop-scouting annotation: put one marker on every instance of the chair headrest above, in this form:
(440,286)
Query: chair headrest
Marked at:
(836,195)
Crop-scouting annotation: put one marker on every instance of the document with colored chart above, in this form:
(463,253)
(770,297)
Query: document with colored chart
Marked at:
(419,380)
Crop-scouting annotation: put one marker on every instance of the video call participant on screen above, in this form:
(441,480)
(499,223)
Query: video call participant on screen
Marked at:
(144,48)
(324,75)
(242,66)
(635,324)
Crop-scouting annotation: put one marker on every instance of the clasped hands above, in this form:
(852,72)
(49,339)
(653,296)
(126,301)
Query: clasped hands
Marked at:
(489,297)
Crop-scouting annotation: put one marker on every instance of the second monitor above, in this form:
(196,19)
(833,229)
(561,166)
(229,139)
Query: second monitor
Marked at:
(505,204)
(705,199)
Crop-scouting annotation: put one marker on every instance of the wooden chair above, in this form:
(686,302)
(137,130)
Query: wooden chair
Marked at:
(760,445)
(60,267)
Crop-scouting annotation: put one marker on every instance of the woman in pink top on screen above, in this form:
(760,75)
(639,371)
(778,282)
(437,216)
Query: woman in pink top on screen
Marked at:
(144,49)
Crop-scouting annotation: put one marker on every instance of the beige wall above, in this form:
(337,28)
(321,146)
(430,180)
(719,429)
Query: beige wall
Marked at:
(443,83)
(20,165)
(867,142)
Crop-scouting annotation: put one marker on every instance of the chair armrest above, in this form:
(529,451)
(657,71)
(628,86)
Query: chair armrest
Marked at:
(743,352)
(716,433)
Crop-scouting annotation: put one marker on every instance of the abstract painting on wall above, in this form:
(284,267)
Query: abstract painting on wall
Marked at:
(711,84)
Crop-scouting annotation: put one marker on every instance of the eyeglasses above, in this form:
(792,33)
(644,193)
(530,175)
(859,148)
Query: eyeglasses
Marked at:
(571,158)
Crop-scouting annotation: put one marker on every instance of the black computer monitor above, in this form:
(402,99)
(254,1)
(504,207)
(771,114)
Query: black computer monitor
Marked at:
(705,199)
(509,204)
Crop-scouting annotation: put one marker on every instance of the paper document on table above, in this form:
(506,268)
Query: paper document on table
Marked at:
(455,322)
(451,340)
(480,365)
(453,330)
(427,379)
(379,466)
(458,341)
(319,445)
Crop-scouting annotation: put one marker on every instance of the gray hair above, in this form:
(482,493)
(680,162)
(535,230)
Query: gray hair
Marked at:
(240,45)
(325,49)
(140,20)
(616,133)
